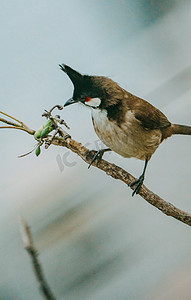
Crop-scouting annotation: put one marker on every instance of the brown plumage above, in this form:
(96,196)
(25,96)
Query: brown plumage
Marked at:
(127,124)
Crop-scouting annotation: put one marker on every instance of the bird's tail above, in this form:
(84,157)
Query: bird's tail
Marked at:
(180,129)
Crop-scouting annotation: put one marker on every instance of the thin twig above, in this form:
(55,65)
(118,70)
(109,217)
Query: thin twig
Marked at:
(20,126)
(11,117)
(9,122)
(13,127)
(29,246)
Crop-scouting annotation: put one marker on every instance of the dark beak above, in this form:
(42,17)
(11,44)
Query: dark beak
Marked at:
(69,101)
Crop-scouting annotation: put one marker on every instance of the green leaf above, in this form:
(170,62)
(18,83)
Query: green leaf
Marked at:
(44,130)
(38,151)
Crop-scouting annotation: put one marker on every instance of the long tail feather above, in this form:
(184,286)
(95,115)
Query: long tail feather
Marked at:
(181,129)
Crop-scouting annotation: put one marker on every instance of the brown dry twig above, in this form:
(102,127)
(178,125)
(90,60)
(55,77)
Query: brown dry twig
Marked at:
(30,248)
(19,125)
(118,173)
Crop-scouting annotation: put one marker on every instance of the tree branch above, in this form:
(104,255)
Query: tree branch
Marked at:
(119,173)
(19,125)
(30,248)
(111,170)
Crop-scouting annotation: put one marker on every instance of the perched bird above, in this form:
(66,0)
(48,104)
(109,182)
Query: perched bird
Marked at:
(127,124)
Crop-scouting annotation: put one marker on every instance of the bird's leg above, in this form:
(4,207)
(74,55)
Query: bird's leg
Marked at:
(140,180)
(98,155)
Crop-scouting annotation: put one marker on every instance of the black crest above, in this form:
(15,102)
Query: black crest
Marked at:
(74,76)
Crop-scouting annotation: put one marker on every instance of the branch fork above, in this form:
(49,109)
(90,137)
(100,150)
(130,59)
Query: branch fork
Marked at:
(12,125)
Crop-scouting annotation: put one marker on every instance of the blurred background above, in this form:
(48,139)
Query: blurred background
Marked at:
(95,241)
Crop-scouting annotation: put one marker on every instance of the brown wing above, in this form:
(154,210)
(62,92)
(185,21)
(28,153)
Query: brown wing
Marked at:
(149,116)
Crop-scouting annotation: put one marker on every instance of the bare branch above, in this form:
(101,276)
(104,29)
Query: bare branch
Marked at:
(118,173)
(9,122)
(29,246)
(112,170)
(11,117)
(20,126)
(6,127)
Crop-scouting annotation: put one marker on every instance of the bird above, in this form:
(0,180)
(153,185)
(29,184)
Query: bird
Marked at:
(125,123)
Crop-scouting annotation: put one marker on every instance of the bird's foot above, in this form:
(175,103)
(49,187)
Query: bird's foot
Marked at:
(98,155)
(138,184)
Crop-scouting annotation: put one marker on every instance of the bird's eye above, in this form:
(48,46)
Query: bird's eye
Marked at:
(88,99)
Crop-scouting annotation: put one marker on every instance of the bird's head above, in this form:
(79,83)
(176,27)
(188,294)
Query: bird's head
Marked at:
(92,91)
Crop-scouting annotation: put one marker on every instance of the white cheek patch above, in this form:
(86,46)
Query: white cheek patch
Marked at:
(93,102)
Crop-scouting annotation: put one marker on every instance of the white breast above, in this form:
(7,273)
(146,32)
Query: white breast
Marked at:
(129,140)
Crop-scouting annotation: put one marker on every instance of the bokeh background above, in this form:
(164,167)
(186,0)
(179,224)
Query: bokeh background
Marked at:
(95,241)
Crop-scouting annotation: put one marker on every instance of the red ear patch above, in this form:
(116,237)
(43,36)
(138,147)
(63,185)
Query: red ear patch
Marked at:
(88,99)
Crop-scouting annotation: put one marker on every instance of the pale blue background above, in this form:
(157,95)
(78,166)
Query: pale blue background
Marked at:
(95,241)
